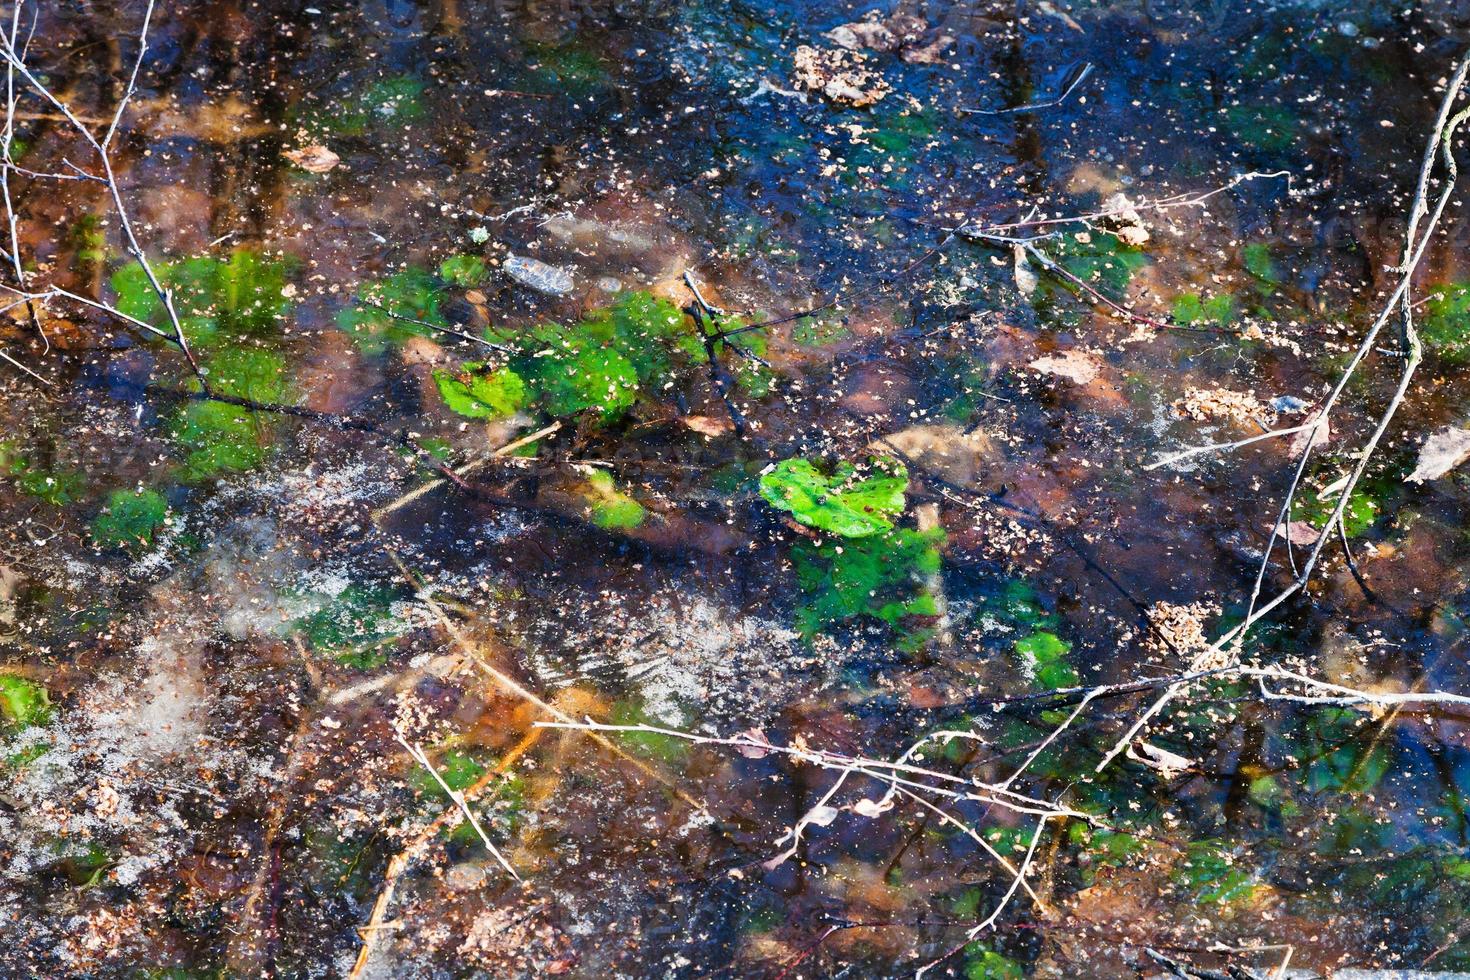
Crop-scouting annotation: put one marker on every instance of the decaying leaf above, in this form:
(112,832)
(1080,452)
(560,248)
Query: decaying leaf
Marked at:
(820,816)
(872,808)
(902,33)
(1076,366)
(927,54)
(1124,221)
(753,744)
(540,276)
(875,35)
(950,451)
(1168,764)
(707,425)
(840,75)
(316,159)
(1311,438)
(1026,278)
(1442,452)
(1303,534)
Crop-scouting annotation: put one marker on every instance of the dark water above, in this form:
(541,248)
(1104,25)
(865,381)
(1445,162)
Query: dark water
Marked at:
(230,612)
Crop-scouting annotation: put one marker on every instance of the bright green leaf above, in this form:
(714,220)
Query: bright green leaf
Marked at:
(23,702)
(842,503)
(130,519)
(612,510)
(481,393)
(1044,655)
(463,270)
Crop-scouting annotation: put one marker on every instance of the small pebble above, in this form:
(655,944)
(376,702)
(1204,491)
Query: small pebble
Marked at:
(464,877)
(1287,404)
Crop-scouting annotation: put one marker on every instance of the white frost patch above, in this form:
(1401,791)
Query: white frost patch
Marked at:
(309,492)
(123,733)
(163,714)
(503,526)
(681,652)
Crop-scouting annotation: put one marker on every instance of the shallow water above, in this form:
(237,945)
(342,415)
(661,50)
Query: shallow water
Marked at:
(215,619)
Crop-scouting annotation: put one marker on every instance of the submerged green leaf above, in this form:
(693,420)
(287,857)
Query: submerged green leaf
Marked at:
(386,309)
(654,745)
(482,393)
(1190,309)
(458,770)
(217,300)
(23,702)
(612,510)
(463,270)
(384,102)
(1044,653)
(355,626)
(1268,128)
(1258,262)
(983,963)
(1102,261)
(582,379)
(1210,872)
(878,575)
(1445,322)
(56,488)
(842,503)
(1358,517)
(219,437)
(130,519)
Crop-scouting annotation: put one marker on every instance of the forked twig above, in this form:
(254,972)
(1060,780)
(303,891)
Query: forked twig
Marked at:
(1439,146)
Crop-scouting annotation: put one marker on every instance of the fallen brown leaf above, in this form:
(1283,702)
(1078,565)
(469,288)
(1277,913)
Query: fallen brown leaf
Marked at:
(706,425)
(1074,365)
(1311,438)
(316,159)
(1300,533)
(1442,452)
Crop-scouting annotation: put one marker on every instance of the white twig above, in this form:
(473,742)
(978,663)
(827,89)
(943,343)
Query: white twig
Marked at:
(1157,204)
(1077,80)
(16,65)
(900,776)
(1400,299)
(459,801)
(1222,446)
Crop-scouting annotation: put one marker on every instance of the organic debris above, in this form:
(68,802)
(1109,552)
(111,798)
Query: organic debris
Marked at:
(840,75)
(901,33)
(871,537)
(540,276)
(1215,404)
(1442,452)
(1121,217)
(316,159)
(1078,367)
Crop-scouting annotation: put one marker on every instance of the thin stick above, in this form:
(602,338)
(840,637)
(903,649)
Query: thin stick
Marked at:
(1221,446)
(1045,104)
(102,149)
(1415,246)
(718,375)
(449,331)
(459,801)
(401,861)
(464,470)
